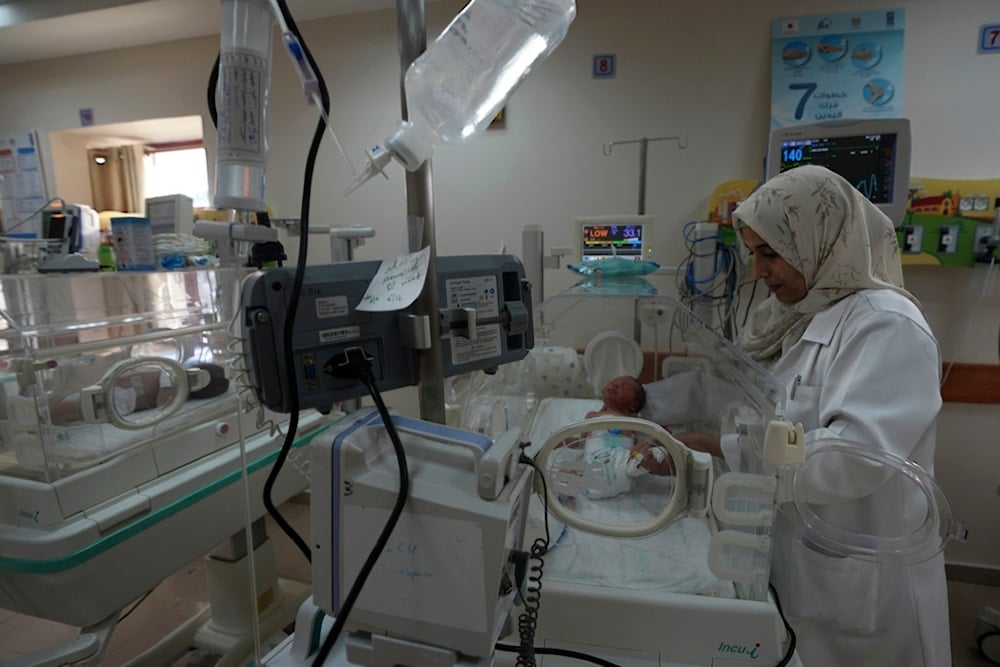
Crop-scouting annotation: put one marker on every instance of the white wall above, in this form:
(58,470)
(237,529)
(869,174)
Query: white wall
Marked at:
(700,69)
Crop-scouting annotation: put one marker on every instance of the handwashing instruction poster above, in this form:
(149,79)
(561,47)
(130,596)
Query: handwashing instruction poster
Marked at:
(22,182)
(837,66)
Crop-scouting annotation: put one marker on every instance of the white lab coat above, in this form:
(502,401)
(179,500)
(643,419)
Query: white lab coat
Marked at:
(867,370)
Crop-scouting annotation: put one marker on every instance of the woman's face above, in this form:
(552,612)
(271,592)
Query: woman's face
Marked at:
(784,281)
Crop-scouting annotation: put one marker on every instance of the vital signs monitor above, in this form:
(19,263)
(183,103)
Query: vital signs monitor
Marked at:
(874,155)
(628,236)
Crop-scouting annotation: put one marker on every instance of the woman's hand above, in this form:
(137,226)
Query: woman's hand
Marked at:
(701,442)
(656,464)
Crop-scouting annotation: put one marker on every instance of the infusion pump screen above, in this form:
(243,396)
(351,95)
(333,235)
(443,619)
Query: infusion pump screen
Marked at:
(607,240)
(867,161)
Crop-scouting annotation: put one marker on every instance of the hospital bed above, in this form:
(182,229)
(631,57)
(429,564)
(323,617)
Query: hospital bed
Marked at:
(695,593)
(113,450)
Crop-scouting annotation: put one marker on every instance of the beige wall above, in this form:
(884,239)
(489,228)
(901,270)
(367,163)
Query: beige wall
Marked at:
(700,69)
(70,168)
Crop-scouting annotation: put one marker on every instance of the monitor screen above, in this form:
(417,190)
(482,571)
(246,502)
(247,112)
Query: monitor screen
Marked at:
(874,155)
(605,240)
(54,226)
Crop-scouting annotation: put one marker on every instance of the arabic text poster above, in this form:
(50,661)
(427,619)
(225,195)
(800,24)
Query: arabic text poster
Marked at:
(837,67)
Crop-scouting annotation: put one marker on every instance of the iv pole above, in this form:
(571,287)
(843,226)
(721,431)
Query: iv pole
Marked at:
(411,25)
(643,142)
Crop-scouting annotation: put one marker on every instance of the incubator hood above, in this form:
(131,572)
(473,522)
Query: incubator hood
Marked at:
(835,519)
(696,381)
(586,492)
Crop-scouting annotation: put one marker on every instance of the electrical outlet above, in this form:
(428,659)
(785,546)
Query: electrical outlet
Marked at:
(984,235)
(948,239)
(913,238)
(653,315)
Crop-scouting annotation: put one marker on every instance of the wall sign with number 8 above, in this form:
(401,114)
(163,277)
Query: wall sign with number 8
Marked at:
(604,66)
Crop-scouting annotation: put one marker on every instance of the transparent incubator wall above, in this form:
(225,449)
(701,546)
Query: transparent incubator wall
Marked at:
(695,381)
(98,365)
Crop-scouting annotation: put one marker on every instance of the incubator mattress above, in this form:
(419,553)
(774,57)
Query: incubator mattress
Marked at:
(675,560)
(81,446)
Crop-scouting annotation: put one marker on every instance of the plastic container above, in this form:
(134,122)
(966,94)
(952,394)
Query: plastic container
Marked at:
(244,72)
(456,87)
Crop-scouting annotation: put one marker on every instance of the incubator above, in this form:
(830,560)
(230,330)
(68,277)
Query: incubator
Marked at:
(666,560)
(122,422)
(670,564)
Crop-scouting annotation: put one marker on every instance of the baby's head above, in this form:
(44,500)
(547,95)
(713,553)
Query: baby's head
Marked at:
(624,394)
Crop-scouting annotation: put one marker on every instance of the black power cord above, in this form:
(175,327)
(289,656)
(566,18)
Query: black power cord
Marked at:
(310,167)
(788,629)
(357,365)
(566,653)
(270,254)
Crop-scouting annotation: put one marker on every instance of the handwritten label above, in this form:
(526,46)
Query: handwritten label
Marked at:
(397,283)
(427,559)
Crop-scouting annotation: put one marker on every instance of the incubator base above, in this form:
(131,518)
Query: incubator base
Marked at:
(634,627)
(227,646)
(301,649)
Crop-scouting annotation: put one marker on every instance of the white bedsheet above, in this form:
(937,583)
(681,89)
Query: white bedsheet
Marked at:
(674,560)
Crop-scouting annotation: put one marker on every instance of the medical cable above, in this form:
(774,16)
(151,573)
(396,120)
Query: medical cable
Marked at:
(241,372)
(213,84)
(246,397)
(136,605)
(692,289)
(310,165)
(753,295)
(358,366)
(248,536)
(788,629)
(61,201)
(308,76)
(527,621)
(566,653)
(989,280)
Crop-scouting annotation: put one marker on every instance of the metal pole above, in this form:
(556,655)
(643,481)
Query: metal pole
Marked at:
(411,24)
(643,149)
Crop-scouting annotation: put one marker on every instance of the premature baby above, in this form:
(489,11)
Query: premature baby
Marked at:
(616,454)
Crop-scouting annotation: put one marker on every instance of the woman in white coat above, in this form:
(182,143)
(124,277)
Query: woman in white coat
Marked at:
(861,365)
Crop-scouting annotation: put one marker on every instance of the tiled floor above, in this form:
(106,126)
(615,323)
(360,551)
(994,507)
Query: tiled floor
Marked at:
(180,597)
(184,594)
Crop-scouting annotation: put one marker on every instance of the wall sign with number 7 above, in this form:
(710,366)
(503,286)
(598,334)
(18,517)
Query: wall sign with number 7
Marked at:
(989,38)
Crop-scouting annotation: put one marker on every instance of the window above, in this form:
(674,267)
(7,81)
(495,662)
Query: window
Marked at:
(171,170)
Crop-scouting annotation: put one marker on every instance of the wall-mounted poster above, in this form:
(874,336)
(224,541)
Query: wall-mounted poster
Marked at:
(22,182)
(837,66)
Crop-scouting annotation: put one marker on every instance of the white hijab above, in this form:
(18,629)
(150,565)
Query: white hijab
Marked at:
(830,233)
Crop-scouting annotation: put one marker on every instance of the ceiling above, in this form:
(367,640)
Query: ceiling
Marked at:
(39,29)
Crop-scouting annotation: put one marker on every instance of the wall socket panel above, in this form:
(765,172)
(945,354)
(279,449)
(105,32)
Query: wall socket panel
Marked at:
(948,239)
(651,315)
(983,234)
(913,238)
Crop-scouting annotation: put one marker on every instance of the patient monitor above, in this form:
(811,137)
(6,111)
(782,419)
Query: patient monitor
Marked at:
(629,236)
(874,155)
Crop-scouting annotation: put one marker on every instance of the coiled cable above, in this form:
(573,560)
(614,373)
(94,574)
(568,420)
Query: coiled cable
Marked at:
(527,621)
